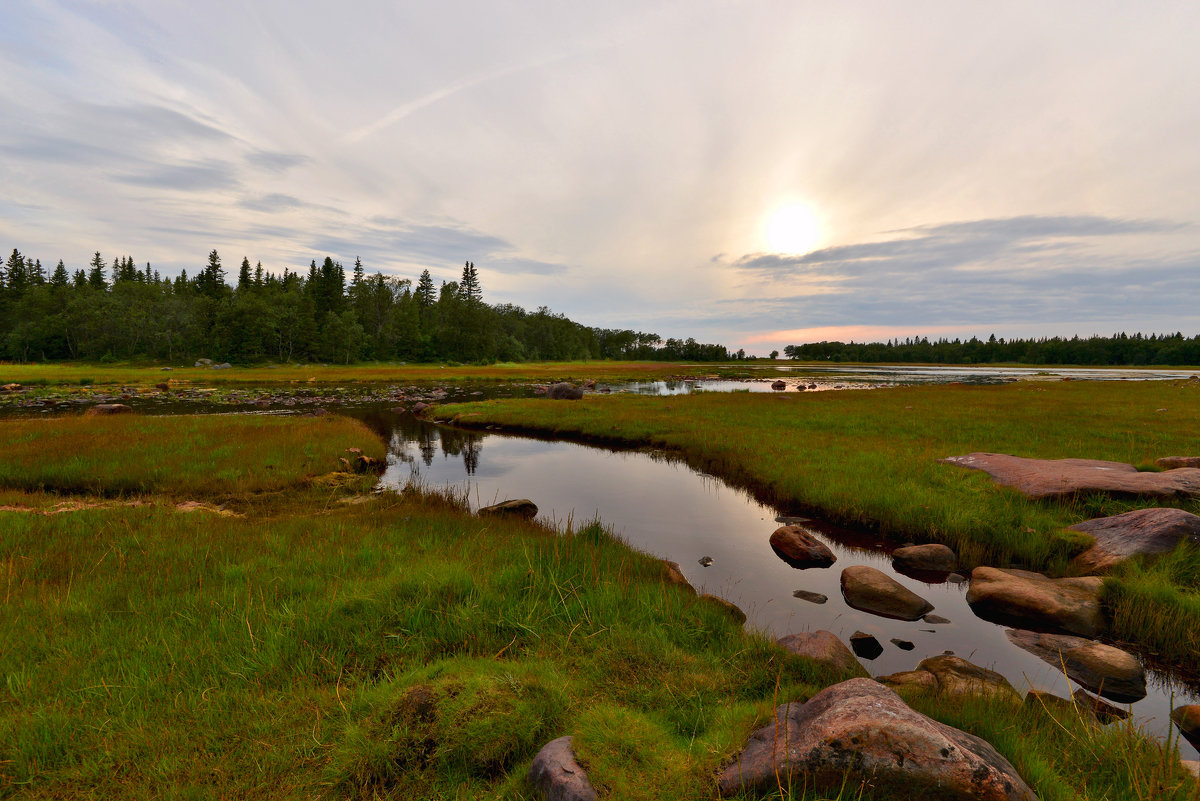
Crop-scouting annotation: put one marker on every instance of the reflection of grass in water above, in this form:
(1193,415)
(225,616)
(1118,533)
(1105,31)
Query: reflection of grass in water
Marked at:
(392,647)
(871,458)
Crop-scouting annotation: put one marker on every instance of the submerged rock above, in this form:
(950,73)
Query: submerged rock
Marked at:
(800,548)
(871,590)
(520,507)
(1147,532)
(1103,669)
(1033,601)
(824,648)
(862,731)
(557,774)
(1052,478)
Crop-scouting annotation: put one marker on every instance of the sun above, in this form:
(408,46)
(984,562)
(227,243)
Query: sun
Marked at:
(792,228)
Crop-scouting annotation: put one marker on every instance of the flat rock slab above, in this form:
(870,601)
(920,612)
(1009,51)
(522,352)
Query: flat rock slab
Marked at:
(798,547)
(1103,669)
(871,590)
(556,773)
(1032,601)
(1175,462)
(1143,531)
(954,676)
(1053,478)
(862,731)
(824,648)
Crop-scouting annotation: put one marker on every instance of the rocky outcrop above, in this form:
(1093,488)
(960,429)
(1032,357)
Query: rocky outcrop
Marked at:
(799,548)
(862,731)
(953,676)
(1033,601)
(871,590)
(931,558)
(108,408)
(824,648)
(564,391)
(520,507)
(557,774)
(1052,478)
(1103,669)
(1147,532)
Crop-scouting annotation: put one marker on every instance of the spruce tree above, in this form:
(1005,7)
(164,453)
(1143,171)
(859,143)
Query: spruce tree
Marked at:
(425,291)
(60,278)
(244,279)
(95,276)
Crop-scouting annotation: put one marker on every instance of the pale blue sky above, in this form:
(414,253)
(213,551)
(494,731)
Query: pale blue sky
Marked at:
(1016,168)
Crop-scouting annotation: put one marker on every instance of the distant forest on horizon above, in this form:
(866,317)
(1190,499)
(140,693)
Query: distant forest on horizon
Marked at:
(120,312)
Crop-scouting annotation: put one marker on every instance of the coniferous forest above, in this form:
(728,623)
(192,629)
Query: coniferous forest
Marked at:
(123,312)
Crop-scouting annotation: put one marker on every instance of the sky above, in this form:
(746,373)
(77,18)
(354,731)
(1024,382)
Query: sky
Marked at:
(751,173)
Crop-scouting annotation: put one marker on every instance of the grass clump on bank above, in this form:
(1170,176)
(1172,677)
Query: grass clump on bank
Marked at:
(871,458)
(208,455)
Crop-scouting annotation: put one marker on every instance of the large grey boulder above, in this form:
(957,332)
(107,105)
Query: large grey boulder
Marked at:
(824,648)
(953,676)
(1103,669)
(1032,601)
(798,547)
(1052,478)
(564,391)
(1148,532)
(557,774)
(871,590)
(861,731)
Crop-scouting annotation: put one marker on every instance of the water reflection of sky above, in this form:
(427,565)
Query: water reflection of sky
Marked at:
(666,509)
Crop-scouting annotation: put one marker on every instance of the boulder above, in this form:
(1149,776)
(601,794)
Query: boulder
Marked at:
(203,362)
(810,596)
(1175,462)
(1053,478)
(1144,531)
(778,386)
(1049,702)
(674,575)
(520,507)
(824,648)
(932,558)
(800,548)
(1102,710)
(871,590)
(865,645)
(558,776)
(859,731)
(108,408)
(728,606)
(1103,669)
(419,407)
(1033,601)
(953,676)
(1187,718)
(564,391)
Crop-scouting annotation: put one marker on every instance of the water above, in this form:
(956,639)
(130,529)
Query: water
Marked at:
(664,508)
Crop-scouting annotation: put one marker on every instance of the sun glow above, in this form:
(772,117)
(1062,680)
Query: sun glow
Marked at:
(792,228)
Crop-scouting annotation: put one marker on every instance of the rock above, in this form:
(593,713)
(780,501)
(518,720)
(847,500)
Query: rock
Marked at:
(799,548)
(932,558)
(704,561)
(811,597)
(166,369)
(861,732)
(558,776)
(865,645)
(903,645)
(203,362)
(1033,601)
(954,676)
(936,620)
(1103,669)
(108,408)
(564,391)
(1049,702)
(956,578)
(1187,718)
(222,366)
(164,386)
(778,385)
(520,507)
(871,590)
(824,648)
(369,464)
(10,388)
(1192,766)
(1175,462)
(728,606)
(1053,478)
(1143,531)
(675,576)
(419,407)
(1102,710)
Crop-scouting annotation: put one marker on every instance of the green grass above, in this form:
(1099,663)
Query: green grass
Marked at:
(208,455)
(397,647)
(871,458)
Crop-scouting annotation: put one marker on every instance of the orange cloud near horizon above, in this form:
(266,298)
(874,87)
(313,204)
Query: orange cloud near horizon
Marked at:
(847,333)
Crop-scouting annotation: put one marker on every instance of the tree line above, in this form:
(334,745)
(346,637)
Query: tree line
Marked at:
(1118,349)
(119,311)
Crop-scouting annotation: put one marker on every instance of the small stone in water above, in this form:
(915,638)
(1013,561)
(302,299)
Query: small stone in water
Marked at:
(814,597)
(706,560)
(956,578)
(864,645)
(903,645)
(936,620)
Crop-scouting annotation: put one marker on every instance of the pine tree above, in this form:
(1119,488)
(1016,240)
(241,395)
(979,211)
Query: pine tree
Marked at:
(258,275)
(95,277)
(468,288)
(358,273)
(211,280)
(244,279)
(60,279)
(425,292)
